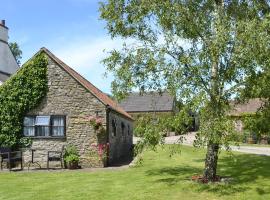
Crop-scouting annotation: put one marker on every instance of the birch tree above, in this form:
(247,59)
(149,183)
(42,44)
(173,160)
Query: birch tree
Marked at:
(201,51)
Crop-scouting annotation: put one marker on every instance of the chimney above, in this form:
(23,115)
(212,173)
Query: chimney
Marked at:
(2,22)
(8,64)
(3,31)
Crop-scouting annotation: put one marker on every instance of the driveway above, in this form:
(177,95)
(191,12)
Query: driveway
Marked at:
(189,138)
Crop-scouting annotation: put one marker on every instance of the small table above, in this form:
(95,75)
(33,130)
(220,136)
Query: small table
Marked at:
(32,162)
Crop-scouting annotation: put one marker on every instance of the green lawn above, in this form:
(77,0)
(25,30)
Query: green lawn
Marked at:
(159,177)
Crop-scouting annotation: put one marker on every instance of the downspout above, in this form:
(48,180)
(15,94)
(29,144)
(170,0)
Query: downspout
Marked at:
(108,109)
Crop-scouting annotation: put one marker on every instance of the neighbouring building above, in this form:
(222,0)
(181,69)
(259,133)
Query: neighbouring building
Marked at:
(240,110)
(8,64)
(61,119)
(153,103)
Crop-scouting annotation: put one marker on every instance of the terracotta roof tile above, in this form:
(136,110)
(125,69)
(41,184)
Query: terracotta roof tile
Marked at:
(89,86)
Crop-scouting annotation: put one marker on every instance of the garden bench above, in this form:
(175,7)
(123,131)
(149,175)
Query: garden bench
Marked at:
(55,156)
(10,157)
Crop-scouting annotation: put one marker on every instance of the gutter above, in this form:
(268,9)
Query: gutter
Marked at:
(5,73)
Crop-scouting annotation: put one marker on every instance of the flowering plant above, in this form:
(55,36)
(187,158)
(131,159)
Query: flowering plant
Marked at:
(96,123)
(102,150)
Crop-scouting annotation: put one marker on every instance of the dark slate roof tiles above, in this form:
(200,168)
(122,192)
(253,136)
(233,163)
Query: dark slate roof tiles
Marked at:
(149,102)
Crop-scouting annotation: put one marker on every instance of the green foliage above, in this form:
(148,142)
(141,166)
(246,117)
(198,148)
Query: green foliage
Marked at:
(203,52)
(72,158)
(71,154)
(70,150)
(259,122)
(152,130)
(151,133)
(18,95)
(16,51)
(219,130)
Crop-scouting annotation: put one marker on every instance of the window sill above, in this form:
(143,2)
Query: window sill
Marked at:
(46,137)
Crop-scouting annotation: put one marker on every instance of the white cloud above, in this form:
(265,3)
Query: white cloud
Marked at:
(85,54)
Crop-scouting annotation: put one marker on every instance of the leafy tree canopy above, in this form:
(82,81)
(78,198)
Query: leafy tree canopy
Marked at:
(16,51)
(202,51)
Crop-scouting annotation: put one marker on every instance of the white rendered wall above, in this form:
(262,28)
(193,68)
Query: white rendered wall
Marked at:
(7,61)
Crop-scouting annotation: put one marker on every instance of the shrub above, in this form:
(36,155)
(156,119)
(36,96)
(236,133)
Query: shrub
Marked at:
(72,158)
(18,95)
(71,154)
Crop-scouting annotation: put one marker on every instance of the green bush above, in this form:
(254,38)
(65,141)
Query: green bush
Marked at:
(72,158)
(18,95)
(71,154)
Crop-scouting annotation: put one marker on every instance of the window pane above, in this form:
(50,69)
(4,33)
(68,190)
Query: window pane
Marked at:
(58,125)
(58,131)
(29,121)
(128,130)
(123,128)
(58,121)
(42,131)
(113,127)
(29,131)
(42,120)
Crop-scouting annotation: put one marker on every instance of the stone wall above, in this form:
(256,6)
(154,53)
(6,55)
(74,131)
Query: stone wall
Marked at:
(120,144)
(68,97)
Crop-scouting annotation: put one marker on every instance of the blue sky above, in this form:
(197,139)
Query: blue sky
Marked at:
(71,29)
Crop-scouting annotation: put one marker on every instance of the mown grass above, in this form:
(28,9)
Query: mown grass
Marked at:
(158,177)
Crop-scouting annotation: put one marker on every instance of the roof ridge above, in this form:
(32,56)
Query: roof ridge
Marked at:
(87,84)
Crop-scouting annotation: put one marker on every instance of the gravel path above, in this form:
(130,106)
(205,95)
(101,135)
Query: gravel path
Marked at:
(189,138)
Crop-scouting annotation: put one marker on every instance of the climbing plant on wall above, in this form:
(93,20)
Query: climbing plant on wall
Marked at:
(18,95)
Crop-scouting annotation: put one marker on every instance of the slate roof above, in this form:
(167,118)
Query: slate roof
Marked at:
(89,86)
(149,102)
(252,106)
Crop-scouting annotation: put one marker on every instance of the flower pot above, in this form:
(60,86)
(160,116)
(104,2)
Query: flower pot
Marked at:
(72,165)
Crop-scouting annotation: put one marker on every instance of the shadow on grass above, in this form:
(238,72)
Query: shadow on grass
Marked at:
(245,170)
(178,174)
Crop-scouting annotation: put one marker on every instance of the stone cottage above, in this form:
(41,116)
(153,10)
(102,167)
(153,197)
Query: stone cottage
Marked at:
(62,118)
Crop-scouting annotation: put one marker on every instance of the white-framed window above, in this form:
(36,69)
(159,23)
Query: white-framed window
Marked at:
(44,126)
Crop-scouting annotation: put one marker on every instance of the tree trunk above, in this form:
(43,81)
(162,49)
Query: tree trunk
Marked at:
(211,159)
(211,162)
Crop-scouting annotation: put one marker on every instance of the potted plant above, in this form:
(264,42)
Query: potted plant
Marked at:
(71,157)
(72,161)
